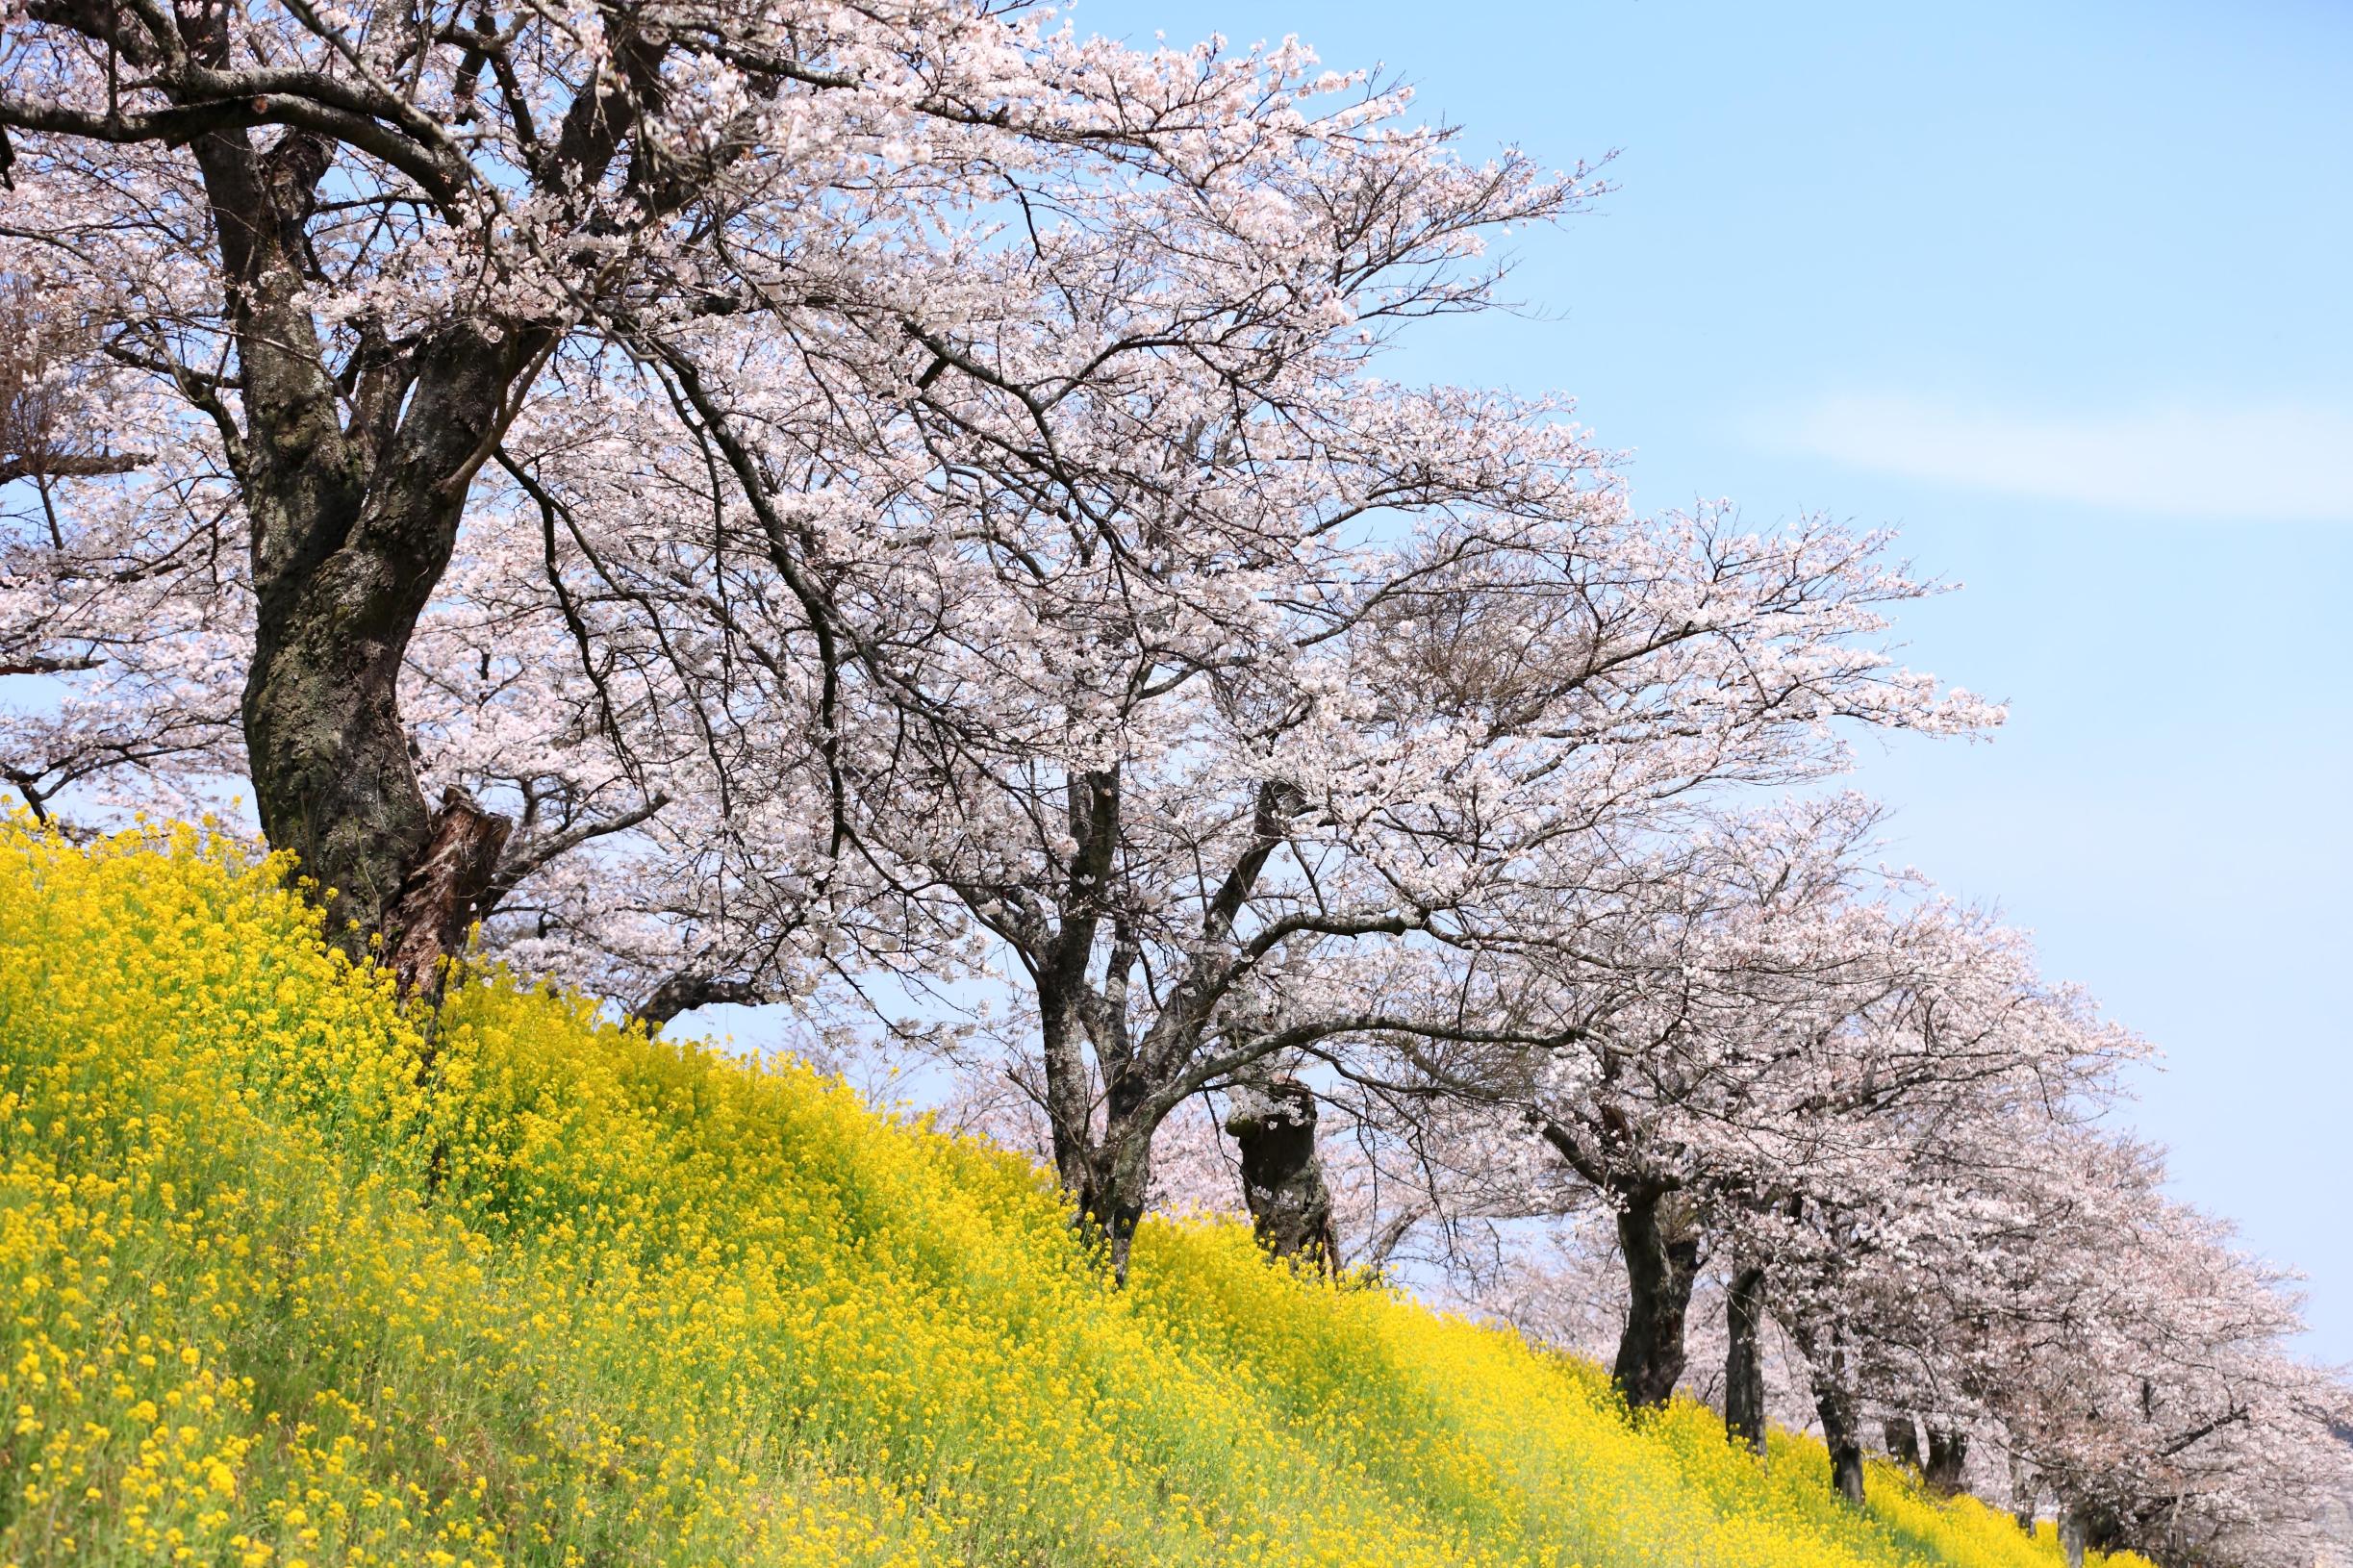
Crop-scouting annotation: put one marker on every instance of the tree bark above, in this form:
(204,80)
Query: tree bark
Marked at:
(1744,1391)
(427,920)
(352,528)
(353,480)
(340,584)
(1274,1120)
(684,992)
(1904,1441)
(1662,1243)
(1842,1433)
(1836,1402)
(1116,1182)
(1948,1459)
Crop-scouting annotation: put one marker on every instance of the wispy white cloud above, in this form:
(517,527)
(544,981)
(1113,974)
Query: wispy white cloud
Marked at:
(2284,461)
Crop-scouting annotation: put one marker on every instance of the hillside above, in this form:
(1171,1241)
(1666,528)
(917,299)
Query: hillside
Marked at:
(583,1297)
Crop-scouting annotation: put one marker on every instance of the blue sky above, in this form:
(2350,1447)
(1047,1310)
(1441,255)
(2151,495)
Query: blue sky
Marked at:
(2061,293)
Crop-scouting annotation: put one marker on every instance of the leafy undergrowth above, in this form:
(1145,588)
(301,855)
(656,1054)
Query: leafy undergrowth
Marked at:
(589,1298)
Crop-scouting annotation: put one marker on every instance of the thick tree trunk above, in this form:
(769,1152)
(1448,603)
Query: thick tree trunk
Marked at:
(2024,1502)
(1904,1441)
(1842,1435)
(1662,1243)
(333,775)
(352,528)
(1948,1459)
(1744,1391)
(1282,1180)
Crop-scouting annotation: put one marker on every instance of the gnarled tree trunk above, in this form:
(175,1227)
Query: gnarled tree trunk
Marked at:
(1948,1458)
(1659,1236)
(1274,1120)
(1744,1391)
(339,588)
(353,526)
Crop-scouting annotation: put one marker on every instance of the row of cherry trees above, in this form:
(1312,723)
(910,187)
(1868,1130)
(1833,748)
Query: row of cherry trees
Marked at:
(893,508)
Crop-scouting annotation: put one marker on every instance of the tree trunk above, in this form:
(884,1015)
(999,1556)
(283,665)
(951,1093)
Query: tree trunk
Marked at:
(1282,1180)
(1904,1441)
(1119,1182)
(1109,1176)
(1842,1433)
(1835,1402)
(1948,1458)
(1744,1392)
(352,528)
(1662,1243)
(2023,1501)
(333,775)
(2074,1532)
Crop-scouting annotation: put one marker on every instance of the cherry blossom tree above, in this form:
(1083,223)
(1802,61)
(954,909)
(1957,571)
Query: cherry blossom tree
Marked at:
(1210,842)
(1746,1036)
(348,252)
(2136,1365)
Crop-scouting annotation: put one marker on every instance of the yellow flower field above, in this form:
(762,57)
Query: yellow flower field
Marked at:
(280,1293)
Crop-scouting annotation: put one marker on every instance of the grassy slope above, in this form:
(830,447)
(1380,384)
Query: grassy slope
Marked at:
(661,1306)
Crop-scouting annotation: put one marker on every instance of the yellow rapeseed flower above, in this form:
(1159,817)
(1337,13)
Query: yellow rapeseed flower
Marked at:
(276,1295)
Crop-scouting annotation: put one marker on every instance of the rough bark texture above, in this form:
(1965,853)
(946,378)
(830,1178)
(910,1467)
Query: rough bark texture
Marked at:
(341,580)
(427,919)
(1662,1243)
(353,477)
(1904,1441)
(1744,1389)
(1948,1459)
(353,525)
(1273,1122)
(2023,1498)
